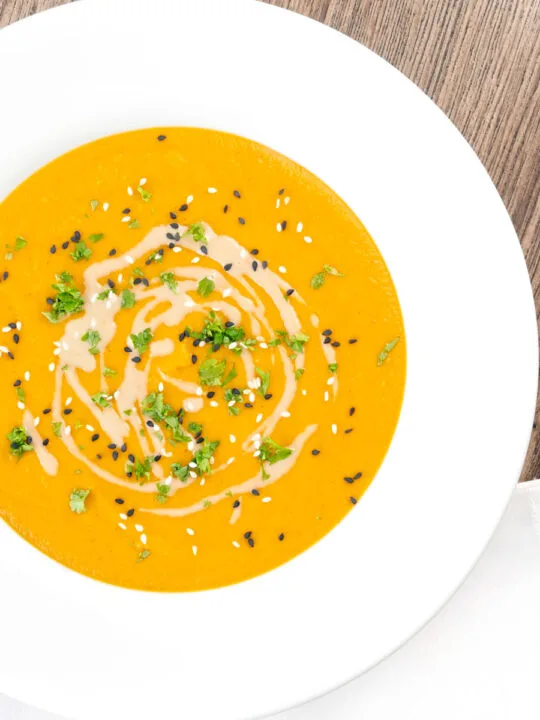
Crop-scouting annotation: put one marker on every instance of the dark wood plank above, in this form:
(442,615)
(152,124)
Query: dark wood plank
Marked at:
(479,60)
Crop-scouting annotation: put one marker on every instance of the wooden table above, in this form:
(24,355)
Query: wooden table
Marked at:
(479,60)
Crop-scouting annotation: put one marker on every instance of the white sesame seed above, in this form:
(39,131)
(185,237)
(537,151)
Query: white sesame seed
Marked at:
(190,531)
(203,482)
(106,206)
(212,460)
(259,418)
(278,203)
(278,227)
(189,199)
(192,465)
(263,346)
(143,181)
(227,292)
(6,329)
(282,269)
(232,345)
(194,549)
(125,219)
(256,453)
(196,259)
(199,391)
(192,474)
(129,259)
(299,227)
(3,349)
(308,239)
(36,421)
(143,539)
(304,392)
(230,461)
(176,249)
(191,445)
(27,375)
(246,391)
(139,528)
(69,400)
(326,396)
(252,397)
(130,190)
(230,403)
(287,200)
(115,394)
(212,190)
(232,438)
(90,428)
(243,253)
(285,414)
(331,381)
(51,367)
(122,526)
(120,277)
(18,324)
(266,499)
(213,403)
(68,430)
(202,344)
(160,387)
(123,516)
(334,429)
(236,544)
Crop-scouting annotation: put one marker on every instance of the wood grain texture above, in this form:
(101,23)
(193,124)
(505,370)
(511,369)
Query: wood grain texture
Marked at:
(479,60)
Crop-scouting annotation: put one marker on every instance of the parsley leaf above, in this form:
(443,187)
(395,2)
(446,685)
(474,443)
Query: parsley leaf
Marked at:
(67,301)
(145,195)
(211,371)
(203,456)
(92,337)
(180,471)
(77,500)
(195,428)
(229,377)
(163,491)
(169,279)
(143,555)
(155,407)
(105,294)
(141,469)
(81,252)
(271,452)
(96,237)
(18,442)
(101,399)
(387,349)
(265,381)
(134,225)
(294,342)
(206,286)
(127,299)
(109,372)
(298,373)
(20,243)
(333,367)
(142,340)
(215,332)
(57,429)
(317,281)
(94,204)
(197,233)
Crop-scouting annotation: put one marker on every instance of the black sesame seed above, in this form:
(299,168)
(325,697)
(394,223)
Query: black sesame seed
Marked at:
(128,349)
(145,282)
(196,342)
(172,216)
(193,359)
(115,455)
(182,336)
(95,437)
(357,476)
(12,325)
(237,194)
(210,394)
(65,245)
(326,341)
(136,359)
(242,221)
(281,191)
(157,458)
(131,458)
(49,301)
(11,356)
(150,423)
(327,332)
(236,391)
(175,225)
(204,250)
(352,411)
(148,262)
(264,264)
(315,452)
(183,207)
(126,211)
(171,245)
(255,492)
(336,344)
(229,324)
(289,292)
(45,442)
(215,347)
(112,252)
(161,138)
(29,439)
(137,281)
(348,431)
(77,235)
(110,283)
(254,265)
(46,411)
(251,542)
(268,396)
(352,341)
(227,267)
(284,225)
(281,537)
(225,209)
(199,441)
(5,275)
(129,474)
(353,500)
(52,249)
(119,501)
(236,503)
(124,447)
(68,411)
(247,534)
(16,383)
(349,480)
(130,512)
(254,251)
(169,236)
(248,406)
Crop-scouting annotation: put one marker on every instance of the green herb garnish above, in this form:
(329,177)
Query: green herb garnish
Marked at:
(216,333)
(333,367)
(169,279)
(127,299)
(141,469)
(67,301)
(203,456)
(92,337)
(211,372)
(134,225)
(81,252)
(77,500)
(162,492)
(18,444)
(206,286)
(20,394)
(141,341)
(265,381)
(145,195)
(96,237)
(180,471)
(298,373)
(143,555)
(195,428)
(94,204)
(57,429)
(109,372)
(105,294)
(101,399)
(317,281)
(197,233)
(271,452)
(294,342)
(387,349)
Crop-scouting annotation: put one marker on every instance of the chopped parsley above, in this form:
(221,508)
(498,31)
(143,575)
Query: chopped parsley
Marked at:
(265,381)
(141,341)
(145,195)
(134,225)
(180,471)
(215,332)
(271,452)
(77,500)
(105,294)
(195,428)
(169,279)
(96,237)
(67,301)
(163,491)
(155,407)
(143,555)
(293,342)
(81,252)
(109,372)
(197,233)
(298,373)
(18,442)
(203,456)
(127,299)
(387,349)
(102,400)
(94,204)
(21,394)
(318,280)
(233,397)
(333,367)
(141,469)
(57,429)
(92,337)
(206,286)
(229,377)
(211,372)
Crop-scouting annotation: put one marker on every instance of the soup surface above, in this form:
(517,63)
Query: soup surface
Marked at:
(203,359)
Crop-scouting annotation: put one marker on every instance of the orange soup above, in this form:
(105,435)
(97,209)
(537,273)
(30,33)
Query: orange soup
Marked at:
(203,359)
